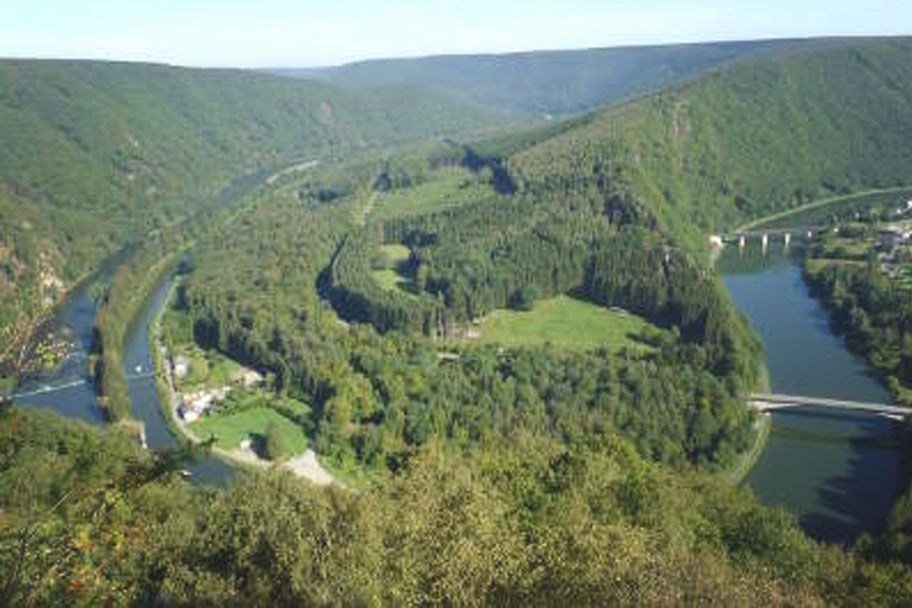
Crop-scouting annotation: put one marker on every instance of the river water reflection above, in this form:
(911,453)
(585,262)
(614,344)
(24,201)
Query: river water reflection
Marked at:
(838,471)
(79,400)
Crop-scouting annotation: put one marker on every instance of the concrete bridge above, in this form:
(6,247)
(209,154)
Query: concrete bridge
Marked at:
(766,235)
(771,401)
(784,235)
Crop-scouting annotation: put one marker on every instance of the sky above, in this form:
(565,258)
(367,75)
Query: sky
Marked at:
(303,33)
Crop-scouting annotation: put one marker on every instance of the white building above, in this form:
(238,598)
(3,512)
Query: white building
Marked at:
(194,405)
(181,367)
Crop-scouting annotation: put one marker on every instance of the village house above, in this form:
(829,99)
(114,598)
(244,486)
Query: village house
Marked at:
(194,405)
(891,236)
(181,367)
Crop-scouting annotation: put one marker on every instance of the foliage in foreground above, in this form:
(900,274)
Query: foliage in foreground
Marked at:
(86,517)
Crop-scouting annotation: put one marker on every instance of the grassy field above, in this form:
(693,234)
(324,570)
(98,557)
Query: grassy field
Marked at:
(823,211)
(567,322)
(397,276)
(448,188)
(231,429)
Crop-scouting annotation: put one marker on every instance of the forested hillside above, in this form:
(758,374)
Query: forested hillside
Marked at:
(95,155)
(612,208)
(88,518)
(553,82)
(759,136)
(484,472)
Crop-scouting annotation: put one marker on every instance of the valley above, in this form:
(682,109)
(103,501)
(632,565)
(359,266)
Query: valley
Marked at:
(492,341)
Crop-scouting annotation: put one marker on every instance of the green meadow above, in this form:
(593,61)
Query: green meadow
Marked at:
(567,322)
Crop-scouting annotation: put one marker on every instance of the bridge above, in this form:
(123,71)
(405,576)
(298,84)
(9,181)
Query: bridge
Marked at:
(766,234)
(44,390)
(771,401)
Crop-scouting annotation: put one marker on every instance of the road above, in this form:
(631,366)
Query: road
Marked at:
(304,465)
(813,205)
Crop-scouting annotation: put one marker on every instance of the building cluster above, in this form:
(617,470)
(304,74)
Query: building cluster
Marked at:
(194,405)
(893,235)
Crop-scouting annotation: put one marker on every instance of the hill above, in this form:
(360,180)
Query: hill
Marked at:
(496,474)
(94,155)
(552,82)
(761,135)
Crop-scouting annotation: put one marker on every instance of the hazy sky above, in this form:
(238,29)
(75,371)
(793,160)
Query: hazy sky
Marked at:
(308,32)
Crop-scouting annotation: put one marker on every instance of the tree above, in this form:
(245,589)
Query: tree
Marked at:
(273,448)
(524,299)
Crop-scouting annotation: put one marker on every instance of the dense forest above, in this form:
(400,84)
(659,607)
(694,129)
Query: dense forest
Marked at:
(90,518)
(600,207)
(94,156)
(487,474)
(553,82)
(869,305)
(763,135)
(261,289)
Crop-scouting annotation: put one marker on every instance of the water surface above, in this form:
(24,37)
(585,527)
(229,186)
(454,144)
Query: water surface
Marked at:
(78,399)
(838,471)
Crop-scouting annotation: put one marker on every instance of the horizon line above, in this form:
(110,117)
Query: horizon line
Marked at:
(444,54)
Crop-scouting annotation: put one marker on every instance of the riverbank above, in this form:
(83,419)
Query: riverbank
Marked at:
(867,303)
(48,321)
(135,280)
(837,472)
(304,465)
(738,473)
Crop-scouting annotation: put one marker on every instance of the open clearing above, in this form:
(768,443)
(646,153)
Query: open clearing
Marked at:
(567,322)
(397,276)
(449,187)
(231,429)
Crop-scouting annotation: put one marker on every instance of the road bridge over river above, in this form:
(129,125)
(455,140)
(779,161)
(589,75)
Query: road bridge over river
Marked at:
(772,401)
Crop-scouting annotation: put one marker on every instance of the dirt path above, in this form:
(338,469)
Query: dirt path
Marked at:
(306,465)
(366,211)
(299,167)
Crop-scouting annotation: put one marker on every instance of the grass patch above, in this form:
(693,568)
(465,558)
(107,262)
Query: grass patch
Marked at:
(449,187)
(567,322)
(814,266)
(231,429)
(207,367)
(396,275)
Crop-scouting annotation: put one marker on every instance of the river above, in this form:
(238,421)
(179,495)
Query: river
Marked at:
(839,472)
(79,400)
